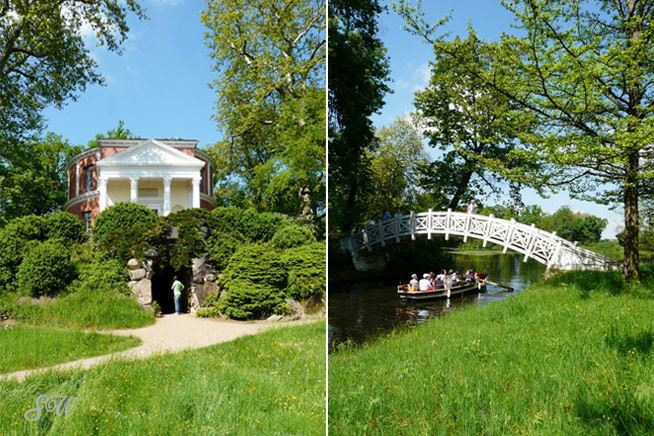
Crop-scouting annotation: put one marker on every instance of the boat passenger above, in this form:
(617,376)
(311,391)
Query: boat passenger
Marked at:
(438,282)
(424,283)
(443,276)
(454,279)
(414,280)
(468,277)
(483,275)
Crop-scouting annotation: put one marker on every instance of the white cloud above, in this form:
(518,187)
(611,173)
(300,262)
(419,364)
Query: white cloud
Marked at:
(401,84)
(421,76)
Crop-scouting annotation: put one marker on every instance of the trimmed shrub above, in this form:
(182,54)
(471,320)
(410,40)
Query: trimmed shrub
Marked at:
(189,243)
(254,226)
(222,247)
(13,239)
(306,271)
(121,229)
(292,236)
(47,269)
(254,282)
(66,227)
(248,300)
(258,264)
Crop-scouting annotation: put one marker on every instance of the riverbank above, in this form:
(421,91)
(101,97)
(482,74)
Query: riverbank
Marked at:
(572,355)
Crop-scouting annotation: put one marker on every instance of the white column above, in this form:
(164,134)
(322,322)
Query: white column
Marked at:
(196,191)
(189,188)
(102,184)
(76,179)
(166,205)
(134,189)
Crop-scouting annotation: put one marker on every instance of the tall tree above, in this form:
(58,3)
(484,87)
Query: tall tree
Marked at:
(35,182)
(394,167)
(585,72)
(358,69)
(269,56)
(44,60)
(466,120)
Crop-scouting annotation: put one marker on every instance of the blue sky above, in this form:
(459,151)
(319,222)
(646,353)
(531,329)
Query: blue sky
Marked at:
(409,61)
(158,86)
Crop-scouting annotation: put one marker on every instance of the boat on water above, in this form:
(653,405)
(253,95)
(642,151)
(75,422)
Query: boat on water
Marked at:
(409,292)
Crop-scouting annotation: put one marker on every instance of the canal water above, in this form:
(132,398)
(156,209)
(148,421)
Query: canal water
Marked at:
(359,311)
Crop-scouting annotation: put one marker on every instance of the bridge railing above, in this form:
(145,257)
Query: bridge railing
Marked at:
(545,247)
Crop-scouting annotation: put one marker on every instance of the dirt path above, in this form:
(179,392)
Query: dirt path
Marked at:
(169,333)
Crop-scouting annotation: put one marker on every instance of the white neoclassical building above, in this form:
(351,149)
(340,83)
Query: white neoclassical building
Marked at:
(164,175)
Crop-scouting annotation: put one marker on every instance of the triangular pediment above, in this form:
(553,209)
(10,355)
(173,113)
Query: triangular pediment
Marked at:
(151,152)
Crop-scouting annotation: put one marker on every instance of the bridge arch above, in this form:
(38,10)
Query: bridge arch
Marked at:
(544,247)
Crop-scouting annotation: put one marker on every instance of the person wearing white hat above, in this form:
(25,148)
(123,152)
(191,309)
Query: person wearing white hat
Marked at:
(424,283)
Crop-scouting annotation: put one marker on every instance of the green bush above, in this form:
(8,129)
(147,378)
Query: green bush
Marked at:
(258,264)
(306,271)
(221,248)
(254,281)
(189,243)
(47,269)
(13,237)
(120,230)
(254,226)
(292,236)
(97,268)
(248,300)
(66,227)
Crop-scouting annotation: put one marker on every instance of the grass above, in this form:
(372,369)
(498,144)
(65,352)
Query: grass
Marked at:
(572,355)
(97,308)
(23,347)
(267,384)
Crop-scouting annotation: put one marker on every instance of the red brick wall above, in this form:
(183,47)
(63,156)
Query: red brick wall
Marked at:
(72,179)
(83,164)
(204,204)
(92,204)
(108,151)
(189,151)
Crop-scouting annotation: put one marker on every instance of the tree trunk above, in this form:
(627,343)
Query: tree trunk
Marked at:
(460,190)
(631,227)
(305,199)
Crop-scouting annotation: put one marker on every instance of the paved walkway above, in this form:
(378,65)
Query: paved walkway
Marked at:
(169,333)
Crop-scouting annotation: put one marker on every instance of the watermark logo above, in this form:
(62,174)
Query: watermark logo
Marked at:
(60,404)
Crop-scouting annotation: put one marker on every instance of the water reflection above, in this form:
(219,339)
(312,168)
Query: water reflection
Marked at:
(362,310)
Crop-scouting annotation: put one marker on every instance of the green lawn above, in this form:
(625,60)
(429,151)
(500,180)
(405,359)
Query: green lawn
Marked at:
(268,384)
(83,309)
(571,356)
(23,347)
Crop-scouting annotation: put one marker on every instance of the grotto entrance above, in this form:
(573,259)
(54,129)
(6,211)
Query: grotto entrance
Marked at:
(162,280)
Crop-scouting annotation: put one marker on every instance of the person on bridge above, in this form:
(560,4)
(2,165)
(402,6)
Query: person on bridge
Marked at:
(472,207)
(424,283)
(386,216)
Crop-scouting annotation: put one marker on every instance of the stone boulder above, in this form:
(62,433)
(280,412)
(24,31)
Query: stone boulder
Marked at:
(143,292)
(274,318)
(203,291)
(313,302)
(210,278)
(133,264)
(152,253)
(201,268)
(137,274)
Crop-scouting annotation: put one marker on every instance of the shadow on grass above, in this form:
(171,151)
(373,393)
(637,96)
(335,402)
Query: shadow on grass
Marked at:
(630,342)
(613,408)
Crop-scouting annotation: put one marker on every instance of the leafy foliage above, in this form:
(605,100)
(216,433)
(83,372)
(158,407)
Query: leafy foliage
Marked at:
(253,226)
(97,268)
(221,248)
(306,271)
(292,236)
(356,90)
(47,269)
(44,60)
(33,179)
(269,56)
(121,228)
(254,282)
(66,227)
(13,239)
(189,244)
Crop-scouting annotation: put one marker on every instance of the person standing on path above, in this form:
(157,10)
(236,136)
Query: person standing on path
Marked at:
(472,207)
(177,288)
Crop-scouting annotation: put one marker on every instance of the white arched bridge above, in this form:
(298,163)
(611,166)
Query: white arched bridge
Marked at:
(545,247)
